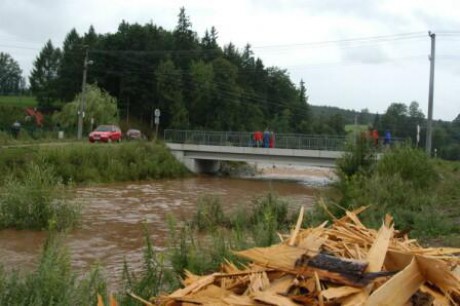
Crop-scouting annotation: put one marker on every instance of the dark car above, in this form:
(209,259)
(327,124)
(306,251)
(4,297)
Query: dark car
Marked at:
(105,133)
(134,134)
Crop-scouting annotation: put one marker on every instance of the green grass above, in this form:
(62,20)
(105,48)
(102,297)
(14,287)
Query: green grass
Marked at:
(421,194)
(37,201)
(350,128)
(85,163)
(19,101)
(34,179)
(52,283)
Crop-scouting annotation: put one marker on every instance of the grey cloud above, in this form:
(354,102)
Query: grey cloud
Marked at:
(366,55)
(32,20)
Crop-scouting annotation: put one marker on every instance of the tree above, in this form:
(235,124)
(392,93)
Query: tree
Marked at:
(44,76)
(282,95)
(11,81)
(71,66)
(415,111)
(363,116)
(202,76)
(305,125)
(170,93)
(394,119)
(209,45)
(225,106)
(99,105)
(185,40)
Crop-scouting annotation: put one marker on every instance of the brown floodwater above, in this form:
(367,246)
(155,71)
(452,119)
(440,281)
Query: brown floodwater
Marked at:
(113,215)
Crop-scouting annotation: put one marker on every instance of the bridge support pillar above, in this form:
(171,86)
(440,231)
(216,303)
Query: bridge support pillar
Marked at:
(197,165)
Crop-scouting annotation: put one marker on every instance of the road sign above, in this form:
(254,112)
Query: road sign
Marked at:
(157,113)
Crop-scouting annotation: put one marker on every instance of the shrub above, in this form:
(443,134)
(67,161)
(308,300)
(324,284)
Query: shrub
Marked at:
(360,157)
(52,283)
(413,165)
(150,281)
(37,201)
(209,214)
(96,163)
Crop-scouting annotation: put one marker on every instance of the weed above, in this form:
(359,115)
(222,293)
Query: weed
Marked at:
(209,213)
(52,283)
(38,201)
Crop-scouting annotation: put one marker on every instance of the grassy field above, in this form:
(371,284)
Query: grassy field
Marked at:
(20,101)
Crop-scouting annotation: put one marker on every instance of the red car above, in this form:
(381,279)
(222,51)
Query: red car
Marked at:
(105,133)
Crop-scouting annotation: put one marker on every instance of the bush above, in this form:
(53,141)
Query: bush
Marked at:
(209,214)
(96,163)
(38,201)
(412,165)
(360,157)
(403,183)
(148,282)
(52,283)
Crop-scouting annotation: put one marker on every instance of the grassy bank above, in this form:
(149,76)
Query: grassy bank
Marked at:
(422,195)
(35,180)
(198,245)
(38,200)
(52,283)
(418,191)
(84,163)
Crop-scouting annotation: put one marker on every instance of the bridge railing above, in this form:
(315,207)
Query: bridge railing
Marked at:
(244,139)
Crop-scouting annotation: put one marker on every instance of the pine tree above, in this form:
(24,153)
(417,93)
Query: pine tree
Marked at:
(71,66)
(10,75)
(44,76)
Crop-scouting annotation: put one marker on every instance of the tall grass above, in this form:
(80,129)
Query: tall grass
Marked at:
(96,163)
(153,278)
(212,236)
(37,201)
(52,282)
(404,183)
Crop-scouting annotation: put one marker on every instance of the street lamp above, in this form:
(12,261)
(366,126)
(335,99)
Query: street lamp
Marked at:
(82,107)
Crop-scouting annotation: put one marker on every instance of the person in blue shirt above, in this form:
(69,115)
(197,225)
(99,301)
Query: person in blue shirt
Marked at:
(387,139)
(266,138)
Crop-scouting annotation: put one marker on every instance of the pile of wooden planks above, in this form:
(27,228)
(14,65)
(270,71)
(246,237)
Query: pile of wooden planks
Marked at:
(343,264)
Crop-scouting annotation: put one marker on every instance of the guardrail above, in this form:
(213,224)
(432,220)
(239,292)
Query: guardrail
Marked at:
(245,139)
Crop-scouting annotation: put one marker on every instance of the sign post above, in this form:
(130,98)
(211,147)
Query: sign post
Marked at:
(157,122)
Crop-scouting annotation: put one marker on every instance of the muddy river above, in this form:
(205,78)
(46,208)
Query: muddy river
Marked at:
(111,228)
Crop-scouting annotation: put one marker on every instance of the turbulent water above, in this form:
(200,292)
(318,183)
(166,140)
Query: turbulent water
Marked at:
(113,215)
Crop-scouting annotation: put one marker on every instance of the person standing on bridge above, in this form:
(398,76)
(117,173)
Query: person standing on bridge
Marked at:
(266,138)
(387,139)
(272,140)
(375,136)
(258,136)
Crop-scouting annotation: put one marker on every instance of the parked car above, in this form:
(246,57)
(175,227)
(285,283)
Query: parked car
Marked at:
(134,134)
(105,133)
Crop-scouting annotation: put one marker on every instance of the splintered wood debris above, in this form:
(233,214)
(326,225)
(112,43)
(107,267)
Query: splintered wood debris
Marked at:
(344,264)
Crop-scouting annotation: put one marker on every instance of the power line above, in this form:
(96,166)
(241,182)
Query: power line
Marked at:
(368,39)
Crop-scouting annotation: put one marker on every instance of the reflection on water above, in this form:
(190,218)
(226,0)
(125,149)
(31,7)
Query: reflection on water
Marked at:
(113,215)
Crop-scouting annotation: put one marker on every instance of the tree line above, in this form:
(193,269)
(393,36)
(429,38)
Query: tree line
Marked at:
(193,81)
(198,84)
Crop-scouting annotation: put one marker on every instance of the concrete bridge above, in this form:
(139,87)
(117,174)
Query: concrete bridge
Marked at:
(202,151)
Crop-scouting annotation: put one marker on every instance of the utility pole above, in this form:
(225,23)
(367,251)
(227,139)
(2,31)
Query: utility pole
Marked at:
(81,111)
(430,95)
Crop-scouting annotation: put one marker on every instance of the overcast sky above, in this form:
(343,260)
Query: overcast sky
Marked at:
(313,39)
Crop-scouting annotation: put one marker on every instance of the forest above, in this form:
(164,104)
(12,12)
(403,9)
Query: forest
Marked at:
(197,84)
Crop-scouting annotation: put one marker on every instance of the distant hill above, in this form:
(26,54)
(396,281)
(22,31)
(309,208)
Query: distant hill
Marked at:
(347,115)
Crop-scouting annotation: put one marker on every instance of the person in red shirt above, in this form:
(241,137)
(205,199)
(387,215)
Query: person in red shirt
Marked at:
(272,140)
(375,136)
